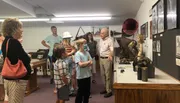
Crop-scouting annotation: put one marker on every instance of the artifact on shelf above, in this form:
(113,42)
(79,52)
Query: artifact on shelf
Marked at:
(144,71)
(142,64)
(127,49)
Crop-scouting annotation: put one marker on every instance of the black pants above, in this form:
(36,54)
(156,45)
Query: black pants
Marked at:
(83,93)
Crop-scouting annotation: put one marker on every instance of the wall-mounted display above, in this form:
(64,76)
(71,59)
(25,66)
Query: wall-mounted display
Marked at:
(154,46)
(150,29)
(158,46)
(144,30)
(171,14)
(154,20)
(160,8)
(178,50)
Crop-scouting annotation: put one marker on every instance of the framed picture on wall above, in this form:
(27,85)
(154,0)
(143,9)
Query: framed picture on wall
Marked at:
(178,46)
(160,9)
(144,30)
(178,50)
(154,46)
(154,20)
(158,46)
(171,14)
(150,23)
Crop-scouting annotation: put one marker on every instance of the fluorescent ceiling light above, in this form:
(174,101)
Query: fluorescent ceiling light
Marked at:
(83,15)
(81,19)
(40,19)
(53,22)
(30,20)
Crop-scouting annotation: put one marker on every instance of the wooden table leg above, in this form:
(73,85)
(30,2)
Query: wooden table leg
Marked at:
(32,84)
(44,70)
(2,94)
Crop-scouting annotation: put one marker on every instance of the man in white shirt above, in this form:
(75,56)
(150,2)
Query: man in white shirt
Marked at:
(106,56)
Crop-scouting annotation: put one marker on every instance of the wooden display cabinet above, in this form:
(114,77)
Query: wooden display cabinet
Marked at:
(161,89)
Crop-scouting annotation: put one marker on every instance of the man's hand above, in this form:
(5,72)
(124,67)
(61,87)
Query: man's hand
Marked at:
(110,58)
(65,80)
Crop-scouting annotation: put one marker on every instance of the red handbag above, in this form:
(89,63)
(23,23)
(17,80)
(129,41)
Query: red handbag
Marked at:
(13,71)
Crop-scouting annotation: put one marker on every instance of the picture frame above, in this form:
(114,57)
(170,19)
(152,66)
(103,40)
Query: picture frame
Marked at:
(144,30)
(158,46)
(150,23)
(160,10)
(178,50)
(154,46)
(154,20)
(171,14)
(178,46)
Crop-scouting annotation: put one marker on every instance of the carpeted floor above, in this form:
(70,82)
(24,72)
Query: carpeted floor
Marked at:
(45,93)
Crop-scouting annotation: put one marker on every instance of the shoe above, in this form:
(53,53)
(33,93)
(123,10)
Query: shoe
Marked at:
(103,92)
(72,94)
(108,95)
(93,81)
(51,81)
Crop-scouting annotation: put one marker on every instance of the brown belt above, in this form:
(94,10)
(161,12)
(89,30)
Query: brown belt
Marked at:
(104,57)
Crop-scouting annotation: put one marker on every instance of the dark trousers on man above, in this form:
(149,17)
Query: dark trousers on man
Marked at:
(83,93)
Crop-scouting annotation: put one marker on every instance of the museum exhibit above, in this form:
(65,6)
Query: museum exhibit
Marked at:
(96,51)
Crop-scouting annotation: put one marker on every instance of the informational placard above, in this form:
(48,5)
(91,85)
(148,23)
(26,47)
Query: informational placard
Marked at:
(158,46)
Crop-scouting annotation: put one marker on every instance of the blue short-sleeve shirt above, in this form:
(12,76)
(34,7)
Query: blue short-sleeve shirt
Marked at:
(84,72)
(51,40)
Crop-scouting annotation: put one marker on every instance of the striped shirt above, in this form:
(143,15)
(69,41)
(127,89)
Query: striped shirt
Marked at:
(60,70)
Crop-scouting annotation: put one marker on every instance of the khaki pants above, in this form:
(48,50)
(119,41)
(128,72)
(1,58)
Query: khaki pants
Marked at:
(15,90)
(106,73)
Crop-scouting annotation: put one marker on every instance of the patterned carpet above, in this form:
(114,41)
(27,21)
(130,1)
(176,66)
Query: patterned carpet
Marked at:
(45,93)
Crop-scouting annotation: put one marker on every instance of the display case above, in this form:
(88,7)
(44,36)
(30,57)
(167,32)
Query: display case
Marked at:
(128,89)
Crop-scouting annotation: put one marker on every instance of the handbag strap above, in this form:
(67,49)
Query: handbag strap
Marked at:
(7,44)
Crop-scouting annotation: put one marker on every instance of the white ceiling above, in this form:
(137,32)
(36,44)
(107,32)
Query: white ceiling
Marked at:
(119,9)
(7,10)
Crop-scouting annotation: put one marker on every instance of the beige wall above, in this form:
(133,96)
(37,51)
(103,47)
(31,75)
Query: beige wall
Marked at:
(34,34)
(143,17)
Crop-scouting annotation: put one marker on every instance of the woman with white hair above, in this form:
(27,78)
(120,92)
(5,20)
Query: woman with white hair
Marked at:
(15,87)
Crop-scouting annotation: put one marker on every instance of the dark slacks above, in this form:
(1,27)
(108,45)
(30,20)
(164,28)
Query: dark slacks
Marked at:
(83,93)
